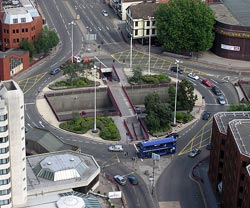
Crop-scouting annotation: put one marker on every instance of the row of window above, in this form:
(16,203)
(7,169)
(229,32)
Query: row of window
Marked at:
(5,192)
(5,202)
(15,20)
(3,117)
(4,139)
(4,150)
(17,40)
(14,31)
(153,32)
(4,181)
(4,161)
(4,171)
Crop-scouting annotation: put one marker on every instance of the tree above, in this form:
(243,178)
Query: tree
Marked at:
(240,107)
(71,70)
(185,96)
(26,45)
(185,25)
(137,76)
(46,40)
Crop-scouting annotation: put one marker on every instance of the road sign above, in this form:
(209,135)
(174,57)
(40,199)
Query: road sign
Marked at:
(156,156)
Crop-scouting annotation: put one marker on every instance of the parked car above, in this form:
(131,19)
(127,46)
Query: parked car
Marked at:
(216,90)
(55,71)
(206,115)
(193,76)
(174,69)
(105,13)
(194,152)
(116,148)
(77,59)
(120,179)
(207,82)
(221,100)
(133,180)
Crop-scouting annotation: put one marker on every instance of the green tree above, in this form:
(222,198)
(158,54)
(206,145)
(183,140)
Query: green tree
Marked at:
(26,45)
(240,107)
(185,25)
(137,76)
(71,70)
(46,40)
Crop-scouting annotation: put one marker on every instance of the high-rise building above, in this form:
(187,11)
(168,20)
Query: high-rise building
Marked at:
(13,182)
(230,158)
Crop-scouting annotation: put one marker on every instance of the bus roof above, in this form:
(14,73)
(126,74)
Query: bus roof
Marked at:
(158,141)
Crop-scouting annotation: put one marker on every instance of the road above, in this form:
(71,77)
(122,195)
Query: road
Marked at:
(108,37)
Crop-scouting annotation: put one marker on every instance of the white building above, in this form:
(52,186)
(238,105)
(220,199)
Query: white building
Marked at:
(13,182)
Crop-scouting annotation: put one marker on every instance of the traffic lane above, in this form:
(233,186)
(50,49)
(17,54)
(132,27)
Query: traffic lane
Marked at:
(136,195)
(175,184)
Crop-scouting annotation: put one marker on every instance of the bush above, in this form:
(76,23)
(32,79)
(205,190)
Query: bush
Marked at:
(183,117)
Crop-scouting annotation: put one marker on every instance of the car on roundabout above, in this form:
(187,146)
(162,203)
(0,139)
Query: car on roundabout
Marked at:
(105,13)
(207,83)
(216,90)
(116,148)
(193,76)
(175,69)
(55,71)
(120,179)
(206,115)
(221,100)
(133,180)
(194,153)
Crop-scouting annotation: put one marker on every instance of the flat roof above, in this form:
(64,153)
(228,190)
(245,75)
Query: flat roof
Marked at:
(223,118)
(241,132)
(38,185)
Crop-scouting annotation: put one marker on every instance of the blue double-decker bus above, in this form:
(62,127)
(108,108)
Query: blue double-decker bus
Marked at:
(163,146)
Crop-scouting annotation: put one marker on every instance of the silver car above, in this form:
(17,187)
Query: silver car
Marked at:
(105,13)
(194,152)
(221,100)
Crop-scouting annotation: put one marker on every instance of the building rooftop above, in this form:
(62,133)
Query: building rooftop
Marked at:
(143,10)
(223,118)
(70,169)
(241,132)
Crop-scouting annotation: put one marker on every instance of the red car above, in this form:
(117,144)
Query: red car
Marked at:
(207,83)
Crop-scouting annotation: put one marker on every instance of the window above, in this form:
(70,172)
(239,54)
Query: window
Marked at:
(136,32)
(14,40)
(4,181)
(3,139)
(147,32)
(5,201)
(3,117)
(136,24)
(153,23)
(4,161)
(4,150)
(241,189)
(153,31)
(17,30)
(23,30)
(23,19)
(4,171)
(3,128)
(148,23)
(17,40)
(242,177)
(26,29)
(4,192)
(21,107)
(223,141)
(14,31)
(15,20)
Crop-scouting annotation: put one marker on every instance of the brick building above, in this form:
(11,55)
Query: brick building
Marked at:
(230,158)
(19,20)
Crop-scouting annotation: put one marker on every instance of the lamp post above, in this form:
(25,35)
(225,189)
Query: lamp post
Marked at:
(95,130)
(149,44)
(177,62)
(131,47)
(72,24)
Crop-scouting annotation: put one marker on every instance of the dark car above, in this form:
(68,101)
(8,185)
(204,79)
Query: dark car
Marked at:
(216,90)
(206,115)
(133,180)
(209,146)
(174,69)
(55,71)
(175,135)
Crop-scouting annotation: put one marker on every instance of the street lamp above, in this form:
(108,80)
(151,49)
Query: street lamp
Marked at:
(72,24)
(95,130)
(131,47)
(177,62)
(149,44)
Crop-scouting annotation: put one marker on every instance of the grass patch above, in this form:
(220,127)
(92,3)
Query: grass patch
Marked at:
(79,82)
(182,117)
(108,130)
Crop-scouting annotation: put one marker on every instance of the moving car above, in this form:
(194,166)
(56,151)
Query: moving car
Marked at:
(194,152)
(221,100)
(209,146)
(116,148)
(55,71)
(216,90)
(193,76)
(174,69)
(207,83)
(120,179)
(105,13)
(206,115)
(133,180)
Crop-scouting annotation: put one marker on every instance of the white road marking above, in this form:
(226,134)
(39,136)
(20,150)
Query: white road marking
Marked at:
(28,115)
(41,124)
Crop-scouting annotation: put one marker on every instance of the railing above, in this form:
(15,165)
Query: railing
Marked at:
(117,107)
(45,96)
(116,73)
(128,98)
(242,89)
(126,127)
(144,129)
